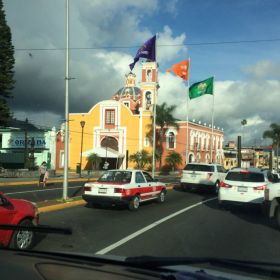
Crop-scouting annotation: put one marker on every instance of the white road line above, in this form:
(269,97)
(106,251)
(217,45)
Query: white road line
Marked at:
(137,233)
(40,190)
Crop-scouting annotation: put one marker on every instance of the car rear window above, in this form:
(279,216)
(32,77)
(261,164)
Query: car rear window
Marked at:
(199,167)
(245,177)
(116,177)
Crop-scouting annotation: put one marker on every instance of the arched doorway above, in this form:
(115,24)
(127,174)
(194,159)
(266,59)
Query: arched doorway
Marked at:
(113,162)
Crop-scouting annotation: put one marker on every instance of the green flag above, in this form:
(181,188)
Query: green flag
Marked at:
(201,88)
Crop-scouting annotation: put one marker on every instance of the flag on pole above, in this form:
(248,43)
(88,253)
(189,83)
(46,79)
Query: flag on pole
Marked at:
(148,51)
(201,88)
(180,69)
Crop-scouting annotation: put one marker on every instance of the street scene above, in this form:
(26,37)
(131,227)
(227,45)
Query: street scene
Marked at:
(141,133)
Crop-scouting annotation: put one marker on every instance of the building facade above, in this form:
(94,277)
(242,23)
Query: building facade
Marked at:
(114,129)
(117,128)
(23,145)
(198,143)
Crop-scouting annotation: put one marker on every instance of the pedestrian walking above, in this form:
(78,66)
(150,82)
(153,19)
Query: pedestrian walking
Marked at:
(43,174)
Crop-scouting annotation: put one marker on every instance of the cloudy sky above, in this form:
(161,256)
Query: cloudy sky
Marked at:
(105,35)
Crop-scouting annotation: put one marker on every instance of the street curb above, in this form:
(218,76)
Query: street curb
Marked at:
(4,184)
(61,206)
(79,202)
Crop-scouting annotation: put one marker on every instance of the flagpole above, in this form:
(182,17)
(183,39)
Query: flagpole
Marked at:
(187,140)
(154,115)
(212,124)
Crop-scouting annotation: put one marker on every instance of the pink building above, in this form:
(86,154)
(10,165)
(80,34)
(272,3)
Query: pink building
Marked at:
(199,142)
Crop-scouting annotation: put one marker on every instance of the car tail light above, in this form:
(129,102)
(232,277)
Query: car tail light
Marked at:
(87,189)
(209,175)
(260,188)
(244,171)
(224,185)
(119,190)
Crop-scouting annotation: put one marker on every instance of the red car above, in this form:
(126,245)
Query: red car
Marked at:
(17,212)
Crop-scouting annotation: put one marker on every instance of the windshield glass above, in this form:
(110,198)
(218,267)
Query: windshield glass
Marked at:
(124,119)
(115,176)
(199,167)
(245,177)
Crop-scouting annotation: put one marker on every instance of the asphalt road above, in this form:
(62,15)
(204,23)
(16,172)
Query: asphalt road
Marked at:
(198,230)
(36,194)
(54,190)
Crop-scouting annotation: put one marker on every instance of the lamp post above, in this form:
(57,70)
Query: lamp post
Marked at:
(82,123)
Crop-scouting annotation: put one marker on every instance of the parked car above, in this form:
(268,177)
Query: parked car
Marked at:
(202,176)
(243,186)
(130,187)
(17,212)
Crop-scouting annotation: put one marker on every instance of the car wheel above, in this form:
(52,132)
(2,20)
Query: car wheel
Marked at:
(185,188)
(277,216)
(134,203)
(161,197)
(23,239)
(216,187)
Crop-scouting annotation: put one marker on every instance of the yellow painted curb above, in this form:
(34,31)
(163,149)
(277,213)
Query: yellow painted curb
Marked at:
(36,182)
(61,206)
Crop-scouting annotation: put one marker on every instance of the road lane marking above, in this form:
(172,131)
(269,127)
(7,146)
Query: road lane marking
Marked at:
(143,230)
(41,190)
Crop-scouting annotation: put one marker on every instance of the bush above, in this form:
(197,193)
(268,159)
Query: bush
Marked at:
(165,170)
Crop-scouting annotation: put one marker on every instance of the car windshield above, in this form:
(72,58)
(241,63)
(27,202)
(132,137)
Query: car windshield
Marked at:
(199,167)
(245,177)
(115,177)
(128,121)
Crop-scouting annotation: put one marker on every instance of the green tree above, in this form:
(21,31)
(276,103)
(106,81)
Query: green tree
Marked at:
(7,62)
(274,135)
(141,159)
(164,119)
(93,160)
(173,159)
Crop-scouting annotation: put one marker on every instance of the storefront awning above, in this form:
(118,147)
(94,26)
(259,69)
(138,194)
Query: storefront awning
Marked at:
(101,152)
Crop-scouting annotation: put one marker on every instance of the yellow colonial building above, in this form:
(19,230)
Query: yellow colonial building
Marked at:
(116,128)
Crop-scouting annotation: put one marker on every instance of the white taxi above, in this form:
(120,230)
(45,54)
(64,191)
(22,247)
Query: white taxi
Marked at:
(130,187)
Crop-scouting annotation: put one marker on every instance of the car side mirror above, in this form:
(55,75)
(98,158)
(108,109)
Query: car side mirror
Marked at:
(4,202)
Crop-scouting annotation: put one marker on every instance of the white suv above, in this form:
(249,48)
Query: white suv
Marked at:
(203,175)
(243,186)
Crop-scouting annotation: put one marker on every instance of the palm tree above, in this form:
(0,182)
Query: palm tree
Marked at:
(93,160)
(164,119)
(274,134)
(141,159)
(173,159)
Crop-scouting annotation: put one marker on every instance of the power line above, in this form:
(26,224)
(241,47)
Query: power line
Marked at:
(160,45)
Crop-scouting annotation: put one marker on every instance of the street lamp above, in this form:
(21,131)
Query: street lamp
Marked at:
(82,123)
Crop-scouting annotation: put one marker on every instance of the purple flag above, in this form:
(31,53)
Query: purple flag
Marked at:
(148,50)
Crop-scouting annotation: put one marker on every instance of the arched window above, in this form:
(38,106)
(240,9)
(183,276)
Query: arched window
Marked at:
(191,158)
(171,140)
(110,142)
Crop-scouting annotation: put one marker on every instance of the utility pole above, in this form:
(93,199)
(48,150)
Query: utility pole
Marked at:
(25,143)
(66,138)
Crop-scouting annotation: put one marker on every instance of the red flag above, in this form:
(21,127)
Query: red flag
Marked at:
(180,69)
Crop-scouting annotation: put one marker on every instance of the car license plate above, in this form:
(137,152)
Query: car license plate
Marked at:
(102,190)
(242,189)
